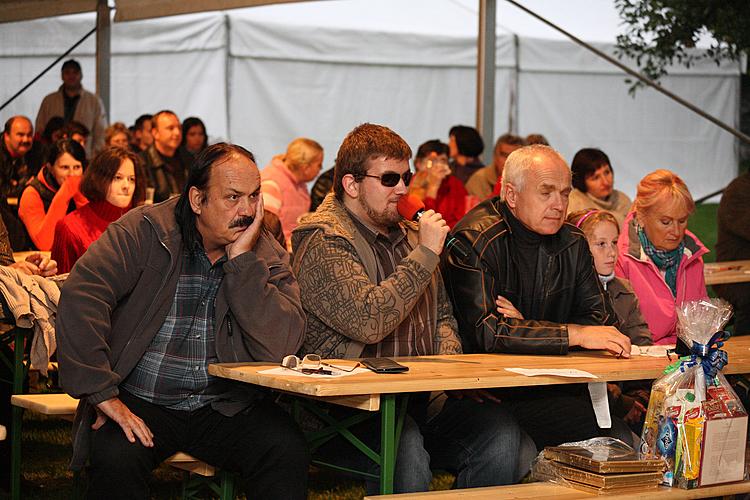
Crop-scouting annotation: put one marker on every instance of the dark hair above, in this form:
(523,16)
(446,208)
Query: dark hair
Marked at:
(155,118)
(536,139)
(511,139)
(198,177)
(141,120)
(71,64)
(468,140)
(10,121)
(366,142)
(190,123)
(53,125)
(431,146)
(74,127)
(102,170)
(73,148)
(585,163)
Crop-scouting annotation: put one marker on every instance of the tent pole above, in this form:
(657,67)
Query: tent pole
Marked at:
(103,53)
(514,88)
(486,73)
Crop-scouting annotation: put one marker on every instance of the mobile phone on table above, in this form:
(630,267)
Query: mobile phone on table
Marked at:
(384,365)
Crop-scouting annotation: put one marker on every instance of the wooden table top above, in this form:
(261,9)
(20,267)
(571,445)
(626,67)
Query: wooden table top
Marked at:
(719,273)
(471,371)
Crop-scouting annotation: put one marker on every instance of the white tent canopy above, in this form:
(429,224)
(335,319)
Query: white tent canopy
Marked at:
(261,76)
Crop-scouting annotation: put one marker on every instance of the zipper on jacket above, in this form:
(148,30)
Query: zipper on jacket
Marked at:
(161,287)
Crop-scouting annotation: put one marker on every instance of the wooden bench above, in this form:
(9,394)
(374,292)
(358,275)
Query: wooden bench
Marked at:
(543,491)
(64,406)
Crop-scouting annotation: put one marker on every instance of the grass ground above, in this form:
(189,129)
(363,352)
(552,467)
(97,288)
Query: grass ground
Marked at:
(703,225)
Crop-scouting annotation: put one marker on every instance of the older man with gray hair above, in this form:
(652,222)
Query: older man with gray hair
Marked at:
(522,281)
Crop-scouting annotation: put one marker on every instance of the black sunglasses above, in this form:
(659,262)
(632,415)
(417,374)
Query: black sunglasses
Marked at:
(390,179)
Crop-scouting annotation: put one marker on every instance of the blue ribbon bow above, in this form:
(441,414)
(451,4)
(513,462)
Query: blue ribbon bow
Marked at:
(710,355)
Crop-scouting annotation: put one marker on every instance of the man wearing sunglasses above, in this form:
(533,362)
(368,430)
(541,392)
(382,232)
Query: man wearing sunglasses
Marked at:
(165,291)
(371,287)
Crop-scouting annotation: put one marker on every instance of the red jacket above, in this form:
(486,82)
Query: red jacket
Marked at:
(79,229)
(450,201)
(40,222)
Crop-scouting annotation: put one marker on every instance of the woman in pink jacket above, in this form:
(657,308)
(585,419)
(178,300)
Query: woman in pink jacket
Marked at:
(660,257)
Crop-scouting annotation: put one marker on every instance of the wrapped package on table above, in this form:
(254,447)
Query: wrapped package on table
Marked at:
(695,422)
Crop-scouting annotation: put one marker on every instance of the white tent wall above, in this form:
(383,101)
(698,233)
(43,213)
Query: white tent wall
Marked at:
(578,100)
(174,63)
(286,79)
(289,81)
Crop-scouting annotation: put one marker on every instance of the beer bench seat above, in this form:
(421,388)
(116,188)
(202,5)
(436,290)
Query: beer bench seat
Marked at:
(544,491)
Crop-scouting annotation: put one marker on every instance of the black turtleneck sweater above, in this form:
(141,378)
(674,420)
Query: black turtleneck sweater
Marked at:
(526,258)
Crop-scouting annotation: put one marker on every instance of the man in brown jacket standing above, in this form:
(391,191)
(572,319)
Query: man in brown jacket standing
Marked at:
(371,287)
(164,292)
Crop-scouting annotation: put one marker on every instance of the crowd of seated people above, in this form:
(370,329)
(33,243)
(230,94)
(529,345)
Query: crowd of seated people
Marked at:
(197,247)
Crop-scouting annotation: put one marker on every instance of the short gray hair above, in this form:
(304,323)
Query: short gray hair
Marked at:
(521,161)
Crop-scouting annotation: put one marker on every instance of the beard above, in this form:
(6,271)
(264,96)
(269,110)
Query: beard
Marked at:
(386,218)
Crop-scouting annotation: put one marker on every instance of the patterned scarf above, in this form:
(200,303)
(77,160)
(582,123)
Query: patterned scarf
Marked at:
(667,261)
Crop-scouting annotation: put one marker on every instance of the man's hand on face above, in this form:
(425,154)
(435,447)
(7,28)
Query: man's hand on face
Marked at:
(131,425)
(432,231)
(595,337)
(249,236)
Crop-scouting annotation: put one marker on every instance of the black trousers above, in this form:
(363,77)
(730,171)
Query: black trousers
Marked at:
(262,444)
(553,415)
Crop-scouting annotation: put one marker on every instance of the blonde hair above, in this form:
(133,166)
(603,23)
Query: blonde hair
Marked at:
(113,130)
(300,153)
(658,183)
(586,220)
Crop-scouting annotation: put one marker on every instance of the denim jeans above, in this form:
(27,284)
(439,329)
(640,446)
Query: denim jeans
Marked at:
(479,442)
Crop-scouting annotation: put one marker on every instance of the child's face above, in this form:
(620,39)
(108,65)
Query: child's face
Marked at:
(603,244)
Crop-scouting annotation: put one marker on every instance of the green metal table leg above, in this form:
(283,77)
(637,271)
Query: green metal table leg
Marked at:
(387,442)
(15,440)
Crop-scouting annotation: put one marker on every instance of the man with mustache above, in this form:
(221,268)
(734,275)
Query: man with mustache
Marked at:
(165,291)
(371,287)
(525,283)
(15,172)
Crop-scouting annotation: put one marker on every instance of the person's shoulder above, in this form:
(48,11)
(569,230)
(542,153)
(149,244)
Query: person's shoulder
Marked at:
(738,188)
(92,96)
(483,223)
(620,286)
(577,200)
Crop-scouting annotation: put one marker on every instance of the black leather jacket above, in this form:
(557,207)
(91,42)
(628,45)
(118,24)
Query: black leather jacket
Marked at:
(567,279)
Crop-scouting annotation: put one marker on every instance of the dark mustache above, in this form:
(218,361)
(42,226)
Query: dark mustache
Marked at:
(243,221)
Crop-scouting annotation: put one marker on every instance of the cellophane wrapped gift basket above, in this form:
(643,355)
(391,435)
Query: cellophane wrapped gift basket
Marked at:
(695,422)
